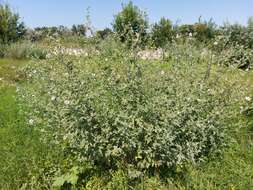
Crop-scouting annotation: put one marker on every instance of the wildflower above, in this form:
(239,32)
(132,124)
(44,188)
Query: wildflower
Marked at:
(190,34)
(241,109)
(75,52)
(31,122)
(66,74)
(1,79)
(53,98)
(248,99)
(66,102)
(215,43)
(162,72)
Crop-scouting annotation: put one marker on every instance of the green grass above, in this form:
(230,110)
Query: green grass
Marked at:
(23,156)
(234,170)
(8,76)
(9,71)
(20,148)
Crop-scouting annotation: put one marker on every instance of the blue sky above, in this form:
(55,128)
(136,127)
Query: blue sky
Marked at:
(67,12)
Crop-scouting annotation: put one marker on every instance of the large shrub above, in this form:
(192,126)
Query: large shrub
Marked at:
(11,29)
(119,112)
(237,35)
(131,25)
(162,32)
(238,57)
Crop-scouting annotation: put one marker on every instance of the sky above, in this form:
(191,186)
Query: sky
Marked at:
(68,12)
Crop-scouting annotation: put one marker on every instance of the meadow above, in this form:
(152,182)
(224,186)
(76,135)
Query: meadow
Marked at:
(119,110)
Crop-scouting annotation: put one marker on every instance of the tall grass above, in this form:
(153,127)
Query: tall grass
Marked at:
(22,50)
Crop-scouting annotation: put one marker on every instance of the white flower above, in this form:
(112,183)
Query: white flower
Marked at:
(48,56)
(53,98)
(66,102)
(190,34)
(162,72)
(31,122)
(241,109)
(66,74)
(215,43)
(248,99)
(1,79)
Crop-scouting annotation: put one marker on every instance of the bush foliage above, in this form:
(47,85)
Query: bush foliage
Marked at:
(122,113)
(237,57)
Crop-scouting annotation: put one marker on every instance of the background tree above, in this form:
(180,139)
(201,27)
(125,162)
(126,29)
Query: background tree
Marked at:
(11,29)
(131,24)
(236,34)
(250,24)
(103,34)
(162,32)
(79,30)
(185,29)
(205,31)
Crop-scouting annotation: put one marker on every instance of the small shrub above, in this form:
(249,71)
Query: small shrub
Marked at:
(119,181)
(102,34)
(2,50)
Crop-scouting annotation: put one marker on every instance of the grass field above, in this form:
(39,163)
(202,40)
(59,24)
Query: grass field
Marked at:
(19,144)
